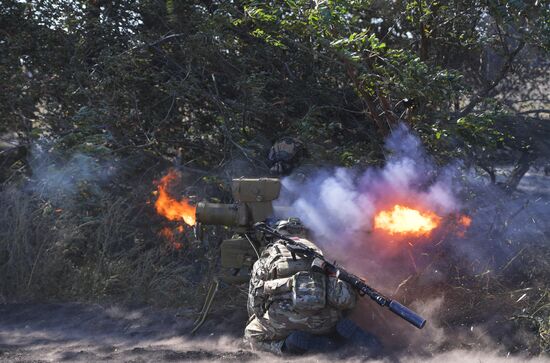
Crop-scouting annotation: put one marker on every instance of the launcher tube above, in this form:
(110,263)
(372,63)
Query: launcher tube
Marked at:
(217,214)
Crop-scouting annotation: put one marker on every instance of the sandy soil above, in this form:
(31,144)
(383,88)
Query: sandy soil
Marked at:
(73,332)
(85,333)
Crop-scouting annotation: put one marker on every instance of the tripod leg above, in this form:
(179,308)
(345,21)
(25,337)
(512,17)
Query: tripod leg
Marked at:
(207,305)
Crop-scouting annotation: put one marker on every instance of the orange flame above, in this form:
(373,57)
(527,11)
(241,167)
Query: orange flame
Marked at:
(404,220)
(465,221)
(171,208)
(168,235)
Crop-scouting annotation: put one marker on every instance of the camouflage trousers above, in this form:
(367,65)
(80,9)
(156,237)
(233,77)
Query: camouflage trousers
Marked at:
(270,331)
(256,335)
(347,332)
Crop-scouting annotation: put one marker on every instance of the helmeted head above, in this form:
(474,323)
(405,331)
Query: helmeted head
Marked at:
(285,154)
(291,227)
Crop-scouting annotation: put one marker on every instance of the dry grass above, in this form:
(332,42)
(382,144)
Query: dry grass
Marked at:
(66,253)
(103,249)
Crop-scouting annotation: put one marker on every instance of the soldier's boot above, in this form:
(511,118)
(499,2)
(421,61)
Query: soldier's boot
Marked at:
(354,335)
(301,343)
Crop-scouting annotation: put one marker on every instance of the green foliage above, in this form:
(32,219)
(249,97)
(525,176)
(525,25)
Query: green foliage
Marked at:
(88,134)
(210,84)
(164,75)
(480,130)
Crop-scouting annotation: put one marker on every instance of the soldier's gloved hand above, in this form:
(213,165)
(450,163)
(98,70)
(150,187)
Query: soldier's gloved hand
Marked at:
(280,168)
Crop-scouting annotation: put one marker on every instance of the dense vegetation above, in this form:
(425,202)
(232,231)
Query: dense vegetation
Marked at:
(220,78)
(98,97)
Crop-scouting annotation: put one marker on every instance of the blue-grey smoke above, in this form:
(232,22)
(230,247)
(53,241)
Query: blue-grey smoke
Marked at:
(60,179)
(338,206)
(334,204)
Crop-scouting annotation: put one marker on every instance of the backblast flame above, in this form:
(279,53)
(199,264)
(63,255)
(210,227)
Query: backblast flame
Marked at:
(404,220)
(172,209)
(169,236)
(465,221)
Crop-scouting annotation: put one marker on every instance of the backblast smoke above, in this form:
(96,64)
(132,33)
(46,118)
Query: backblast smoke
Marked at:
(468,230)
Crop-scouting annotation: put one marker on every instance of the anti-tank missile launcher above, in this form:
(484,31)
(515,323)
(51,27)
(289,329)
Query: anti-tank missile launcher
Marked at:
(252,206)
(253,203)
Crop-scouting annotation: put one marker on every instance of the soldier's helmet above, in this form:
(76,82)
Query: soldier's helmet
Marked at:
(291,227)
(285,154)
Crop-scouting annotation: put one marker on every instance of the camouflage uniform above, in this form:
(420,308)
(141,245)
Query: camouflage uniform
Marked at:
(285,154)
(284,297)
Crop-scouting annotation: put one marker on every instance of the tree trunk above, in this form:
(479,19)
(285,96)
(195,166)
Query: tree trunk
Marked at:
(522,166)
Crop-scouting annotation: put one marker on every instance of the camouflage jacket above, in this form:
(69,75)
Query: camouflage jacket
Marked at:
(284,296)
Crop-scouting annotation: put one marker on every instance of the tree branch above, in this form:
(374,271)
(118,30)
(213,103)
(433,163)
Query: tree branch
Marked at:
(502,74)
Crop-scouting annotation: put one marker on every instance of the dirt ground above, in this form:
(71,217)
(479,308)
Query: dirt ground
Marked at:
(72,332)
(86,333)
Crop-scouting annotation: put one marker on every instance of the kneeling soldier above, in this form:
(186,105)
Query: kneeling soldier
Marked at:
(295,310)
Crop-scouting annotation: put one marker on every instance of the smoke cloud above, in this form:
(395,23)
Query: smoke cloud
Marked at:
(60,179)
(337,203)
(338,206)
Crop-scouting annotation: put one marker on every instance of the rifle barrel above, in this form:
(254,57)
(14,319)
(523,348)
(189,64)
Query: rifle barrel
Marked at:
(319,263)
